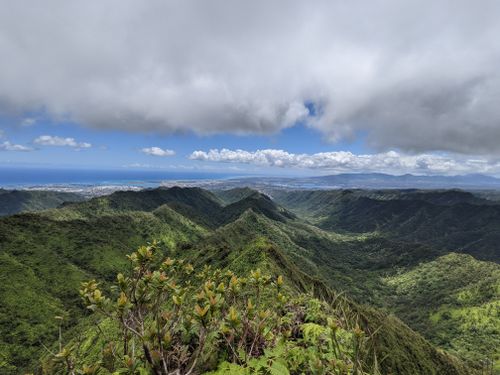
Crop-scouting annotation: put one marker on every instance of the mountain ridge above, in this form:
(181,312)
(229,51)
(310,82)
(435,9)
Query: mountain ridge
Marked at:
(63,246)
(16,201)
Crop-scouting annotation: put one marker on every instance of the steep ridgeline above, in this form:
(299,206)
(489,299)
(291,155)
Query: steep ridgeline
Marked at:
(197,204)
(452,220)
(404,263)
(254,241)
(228,196)
(57,249)
(44,257)
(320,203)
(15,201)
(200,206)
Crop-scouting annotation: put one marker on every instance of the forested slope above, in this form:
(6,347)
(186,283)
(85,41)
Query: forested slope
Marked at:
(57,249)
(15,201)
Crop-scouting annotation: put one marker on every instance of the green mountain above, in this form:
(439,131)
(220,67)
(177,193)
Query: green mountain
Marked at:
(264,244)
(193,203)
(44,257)
(408,237)
(228,196)
(54,252)
(453,300)
(453,220)
(15,201)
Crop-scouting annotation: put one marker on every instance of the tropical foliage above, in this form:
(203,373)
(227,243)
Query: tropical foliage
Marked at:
(173,320)
(45,256)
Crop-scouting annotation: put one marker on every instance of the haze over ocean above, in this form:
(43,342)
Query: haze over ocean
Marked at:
(21,177)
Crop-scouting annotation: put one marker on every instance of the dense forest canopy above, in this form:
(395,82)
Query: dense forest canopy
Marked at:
(416,272)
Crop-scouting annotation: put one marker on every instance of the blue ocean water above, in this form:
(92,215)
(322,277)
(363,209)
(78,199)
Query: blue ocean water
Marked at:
(19,177)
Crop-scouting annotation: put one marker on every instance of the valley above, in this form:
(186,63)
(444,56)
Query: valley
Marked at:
(419,267)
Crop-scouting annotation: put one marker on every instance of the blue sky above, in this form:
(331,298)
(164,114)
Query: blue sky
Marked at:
(119,149)
(297,150)
(122,149)
(326,89)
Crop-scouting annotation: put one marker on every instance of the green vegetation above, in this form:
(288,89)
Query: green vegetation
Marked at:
(15,201)
(451,220)
(324,244)
(54,252)
(171,320)
(405,265)
(233,195)
(455,301)
(27,314)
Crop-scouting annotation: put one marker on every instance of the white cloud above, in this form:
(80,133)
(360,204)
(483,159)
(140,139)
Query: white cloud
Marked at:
(29,121)
(7,146)
(157,151)
(417,75)
(136,165)
(50,140)
(158,167)
(344,161)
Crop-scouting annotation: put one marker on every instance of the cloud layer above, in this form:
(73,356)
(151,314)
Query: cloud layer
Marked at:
(50,140)
(8,146)
(157,151)
(413,75)
(344,161)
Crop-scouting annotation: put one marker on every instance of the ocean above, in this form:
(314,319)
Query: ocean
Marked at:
(32,177)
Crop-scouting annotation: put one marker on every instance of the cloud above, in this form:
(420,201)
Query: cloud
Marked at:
(157,151)
(136,165)
(29,121)
(345,161)
(50,140)
(412,75)
(7,146)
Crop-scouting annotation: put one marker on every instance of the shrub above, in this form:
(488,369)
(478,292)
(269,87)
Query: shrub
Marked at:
(175,321)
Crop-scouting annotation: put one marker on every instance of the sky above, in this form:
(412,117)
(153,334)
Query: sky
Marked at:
(261,87)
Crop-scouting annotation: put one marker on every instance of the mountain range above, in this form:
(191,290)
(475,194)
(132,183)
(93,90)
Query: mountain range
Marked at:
(358,181)
(419,267)
(14,201)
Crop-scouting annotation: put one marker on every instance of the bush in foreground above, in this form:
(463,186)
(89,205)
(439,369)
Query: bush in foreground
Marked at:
(172,320)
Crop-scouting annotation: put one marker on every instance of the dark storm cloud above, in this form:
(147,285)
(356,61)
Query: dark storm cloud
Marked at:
(413,75)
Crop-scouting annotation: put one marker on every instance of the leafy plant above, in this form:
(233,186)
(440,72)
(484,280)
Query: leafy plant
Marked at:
(175,321)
